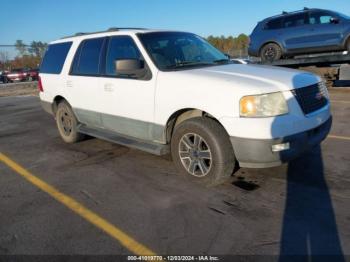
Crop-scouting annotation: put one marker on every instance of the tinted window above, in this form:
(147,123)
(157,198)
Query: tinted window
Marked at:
(87,57)
(120,47)
(54,58)
(175,50)
(294,20)
(320,18)
(274,24)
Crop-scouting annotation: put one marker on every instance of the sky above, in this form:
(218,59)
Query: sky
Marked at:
(47,20)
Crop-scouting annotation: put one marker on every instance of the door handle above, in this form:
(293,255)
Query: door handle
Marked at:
(108,87)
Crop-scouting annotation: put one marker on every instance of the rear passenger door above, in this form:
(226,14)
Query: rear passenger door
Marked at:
(295,31)
(84,82)
(128,100)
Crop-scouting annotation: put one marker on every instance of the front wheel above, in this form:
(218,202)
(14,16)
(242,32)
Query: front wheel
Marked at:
(202,151)
(67,124)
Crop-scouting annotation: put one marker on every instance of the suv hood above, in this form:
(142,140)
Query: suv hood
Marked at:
(258,78)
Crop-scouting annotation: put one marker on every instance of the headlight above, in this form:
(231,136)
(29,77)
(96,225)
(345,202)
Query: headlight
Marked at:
(265,105)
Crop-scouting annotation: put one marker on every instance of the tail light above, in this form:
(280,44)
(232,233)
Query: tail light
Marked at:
(40,85)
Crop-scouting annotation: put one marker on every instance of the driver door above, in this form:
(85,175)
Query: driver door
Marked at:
(128,100)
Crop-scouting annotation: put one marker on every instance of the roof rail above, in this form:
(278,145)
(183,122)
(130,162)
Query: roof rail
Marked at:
(293,12)
(111,29)
(125,28)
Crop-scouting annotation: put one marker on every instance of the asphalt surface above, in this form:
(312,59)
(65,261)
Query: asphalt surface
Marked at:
(298,208)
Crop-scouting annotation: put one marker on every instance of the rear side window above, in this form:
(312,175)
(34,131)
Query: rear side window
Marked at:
(87,57)
(295,20)
(274,24)
(54,58)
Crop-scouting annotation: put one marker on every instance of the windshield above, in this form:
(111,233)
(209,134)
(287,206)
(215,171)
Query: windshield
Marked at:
(176,50)
(343,16)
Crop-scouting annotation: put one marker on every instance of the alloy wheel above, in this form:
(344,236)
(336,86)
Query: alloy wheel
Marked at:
(195,154)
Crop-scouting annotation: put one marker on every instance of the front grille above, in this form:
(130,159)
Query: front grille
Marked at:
(311,98)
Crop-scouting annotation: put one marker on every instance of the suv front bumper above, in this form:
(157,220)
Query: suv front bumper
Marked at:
(257,153)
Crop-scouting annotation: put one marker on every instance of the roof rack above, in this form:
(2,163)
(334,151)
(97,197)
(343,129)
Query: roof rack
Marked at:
(293,12)
(111,29)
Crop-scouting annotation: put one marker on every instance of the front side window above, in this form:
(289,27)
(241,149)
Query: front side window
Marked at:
(176,50)
(87,58)
(120,47)
(320,18)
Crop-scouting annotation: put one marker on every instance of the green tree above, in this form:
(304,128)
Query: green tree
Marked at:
(234,46)
(37,48)
(21,47)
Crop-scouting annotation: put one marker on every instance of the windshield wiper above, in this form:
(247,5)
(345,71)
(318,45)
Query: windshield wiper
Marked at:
(188,63)
(222,61)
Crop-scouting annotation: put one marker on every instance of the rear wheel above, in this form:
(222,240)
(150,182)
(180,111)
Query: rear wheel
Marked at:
(270,52)
(67,124)
(202,151)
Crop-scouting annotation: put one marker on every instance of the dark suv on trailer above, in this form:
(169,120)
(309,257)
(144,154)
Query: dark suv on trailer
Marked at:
(301,32)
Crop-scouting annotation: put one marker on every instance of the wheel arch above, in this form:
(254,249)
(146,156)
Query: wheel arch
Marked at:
(346,40)
(57,99)
(182,115)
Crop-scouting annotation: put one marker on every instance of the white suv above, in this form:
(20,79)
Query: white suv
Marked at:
(162,91)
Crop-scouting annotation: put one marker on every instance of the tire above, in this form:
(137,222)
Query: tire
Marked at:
(202,151)
(270,52)
(67,124)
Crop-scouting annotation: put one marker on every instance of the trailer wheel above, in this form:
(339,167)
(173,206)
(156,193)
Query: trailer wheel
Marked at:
(270,52)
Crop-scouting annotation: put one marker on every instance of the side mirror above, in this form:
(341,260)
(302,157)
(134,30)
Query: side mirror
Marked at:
(129,67)
(334,20)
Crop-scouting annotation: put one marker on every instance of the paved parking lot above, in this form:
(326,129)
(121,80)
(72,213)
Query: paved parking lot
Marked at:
(137,201)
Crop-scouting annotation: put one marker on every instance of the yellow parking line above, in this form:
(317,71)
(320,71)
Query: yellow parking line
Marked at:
(124,239)
(339,137)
